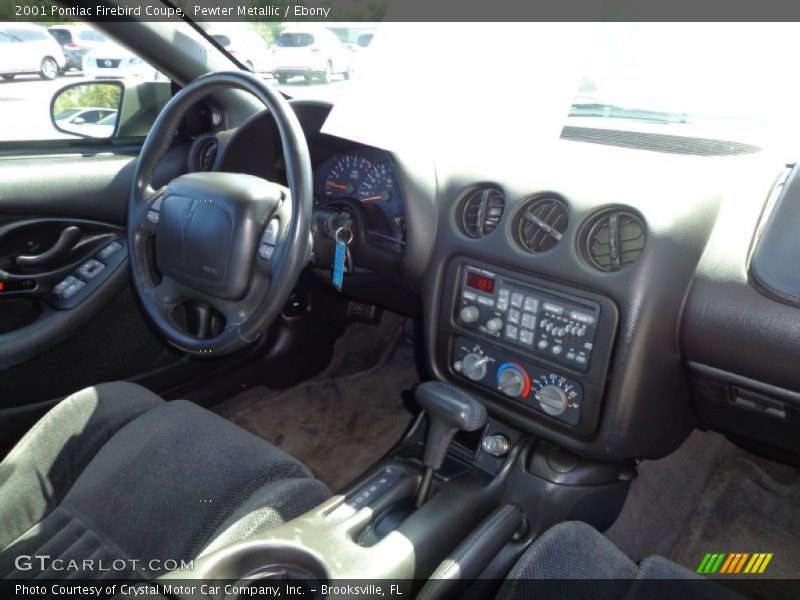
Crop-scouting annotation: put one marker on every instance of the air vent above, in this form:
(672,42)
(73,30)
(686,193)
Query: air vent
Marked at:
(481,211)
(540,223)
(614,239)
(204,154)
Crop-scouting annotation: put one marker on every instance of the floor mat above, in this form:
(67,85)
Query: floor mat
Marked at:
(346,418)
(745,509)
(711,496)
(665,493)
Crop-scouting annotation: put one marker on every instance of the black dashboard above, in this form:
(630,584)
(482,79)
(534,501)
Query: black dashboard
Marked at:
(582,292)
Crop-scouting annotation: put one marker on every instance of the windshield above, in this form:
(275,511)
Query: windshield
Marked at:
(707,79)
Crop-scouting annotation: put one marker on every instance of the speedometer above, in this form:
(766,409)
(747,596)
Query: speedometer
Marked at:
(346,176)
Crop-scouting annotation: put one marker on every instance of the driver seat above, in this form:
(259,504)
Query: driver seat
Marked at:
(115,472)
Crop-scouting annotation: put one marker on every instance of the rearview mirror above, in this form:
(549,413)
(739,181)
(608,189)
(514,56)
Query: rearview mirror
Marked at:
(88,109)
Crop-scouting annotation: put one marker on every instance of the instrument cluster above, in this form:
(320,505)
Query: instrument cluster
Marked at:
(365,180)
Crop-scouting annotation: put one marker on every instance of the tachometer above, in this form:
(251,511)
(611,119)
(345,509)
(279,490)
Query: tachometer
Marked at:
(346,176)
(379,185)
(381,190)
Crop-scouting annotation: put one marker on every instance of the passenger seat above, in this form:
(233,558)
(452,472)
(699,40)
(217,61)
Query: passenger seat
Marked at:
(560,563)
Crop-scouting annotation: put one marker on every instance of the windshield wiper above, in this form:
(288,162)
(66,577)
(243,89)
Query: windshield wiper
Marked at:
(612,111)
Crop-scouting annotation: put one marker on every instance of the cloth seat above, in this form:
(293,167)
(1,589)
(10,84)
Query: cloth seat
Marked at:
(115,476)
(574,561)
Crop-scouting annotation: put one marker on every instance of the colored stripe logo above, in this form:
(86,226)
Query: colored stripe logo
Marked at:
(734,563)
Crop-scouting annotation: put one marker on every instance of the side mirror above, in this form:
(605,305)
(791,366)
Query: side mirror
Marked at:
(70,101)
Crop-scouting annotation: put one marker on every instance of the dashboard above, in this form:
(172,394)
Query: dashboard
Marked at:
(594,294)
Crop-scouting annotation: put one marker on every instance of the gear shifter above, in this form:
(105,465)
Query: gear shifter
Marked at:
(449,410)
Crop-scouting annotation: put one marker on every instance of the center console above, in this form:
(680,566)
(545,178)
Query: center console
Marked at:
(536,351)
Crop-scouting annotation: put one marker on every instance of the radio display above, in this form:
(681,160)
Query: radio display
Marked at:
(480,282)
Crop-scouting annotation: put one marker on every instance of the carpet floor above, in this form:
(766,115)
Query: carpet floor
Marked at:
(345,419)
(711,496)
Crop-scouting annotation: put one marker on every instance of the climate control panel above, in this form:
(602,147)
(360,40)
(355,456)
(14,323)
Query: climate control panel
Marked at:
(538,321)
(536,387)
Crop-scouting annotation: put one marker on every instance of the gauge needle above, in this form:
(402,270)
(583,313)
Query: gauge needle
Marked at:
(371,198)
(338,186)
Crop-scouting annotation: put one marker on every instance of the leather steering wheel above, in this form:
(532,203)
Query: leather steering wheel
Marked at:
(230,245)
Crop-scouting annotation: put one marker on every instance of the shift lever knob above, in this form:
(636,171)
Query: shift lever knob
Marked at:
(449,411)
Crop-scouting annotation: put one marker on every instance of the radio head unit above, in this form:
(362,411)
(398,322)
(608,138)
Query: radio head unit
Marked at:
(540,322)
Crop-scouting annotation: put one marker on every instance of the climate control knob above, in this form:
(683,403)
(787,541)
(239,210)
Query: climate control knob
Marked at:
(512,380)
(552,399)
(473,366)
(469,314)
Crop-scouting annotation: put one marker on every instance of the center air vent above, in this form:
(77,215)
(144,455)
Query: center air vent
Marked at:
(481,210)
(540,223)
(204,154)
(614,239)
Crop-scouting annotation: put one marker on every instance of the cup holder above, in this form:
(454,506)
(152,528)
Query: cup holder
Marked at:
(269,566)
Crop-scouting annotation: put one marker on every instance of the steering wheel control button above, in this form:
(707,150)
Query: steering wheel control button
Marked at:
(91,269)
(265,251)
(469,314)
(497,445)
(270,236)
(109,250)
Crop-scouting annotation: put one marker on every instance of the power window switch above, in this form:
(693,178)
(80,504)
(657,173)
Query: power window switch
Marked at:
(109,250)
(64,284)
(91,269)
(72,289)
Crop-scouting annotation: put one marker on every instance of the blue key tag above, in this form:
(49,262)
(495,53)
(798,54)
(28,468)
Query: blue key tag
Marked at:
(338,265)
(343,237)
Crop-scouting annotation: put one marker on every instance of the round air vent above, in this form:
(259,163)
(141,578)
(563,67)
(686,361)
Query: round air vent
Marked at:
(204,153)
(481,210)
(614,239)
(540,223)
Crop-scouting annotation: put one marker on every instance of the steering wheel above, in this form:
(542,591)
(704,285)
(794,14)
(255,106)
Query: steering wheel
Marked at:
(229,246)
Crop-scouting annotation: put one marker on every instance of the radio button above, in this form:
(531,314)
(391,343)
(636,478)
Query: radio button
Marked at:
(503,293)
(502,303)
(528,321)
(526,336)
(542,345)
(556,309)
(495,324)
(485,300)
(511,332)
(516,300)
(467,295)
(531,304)
(513,317)
(469,314)
(556,349)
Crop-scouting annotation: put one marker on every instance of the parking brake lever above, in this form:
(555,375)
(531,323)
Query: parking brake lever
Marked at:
(449,410)
(65,242)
